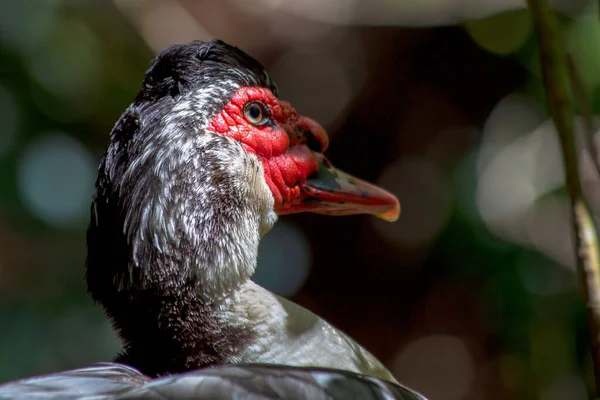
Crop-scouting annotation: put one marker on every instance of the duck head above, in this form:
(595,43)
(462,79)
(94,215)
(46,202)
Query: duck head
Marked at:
(198,168)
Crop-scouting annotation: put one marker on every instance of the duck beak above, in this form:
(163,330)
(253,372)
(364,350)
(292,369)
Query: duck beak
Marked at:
(333,192)
(327,190)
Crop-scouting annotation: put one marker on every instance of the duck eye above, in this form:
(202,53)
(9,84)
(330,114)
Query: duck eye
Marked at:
(256,113)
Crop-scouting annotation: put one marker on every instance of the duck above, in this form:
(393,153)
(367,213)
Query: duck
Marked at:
(197,170)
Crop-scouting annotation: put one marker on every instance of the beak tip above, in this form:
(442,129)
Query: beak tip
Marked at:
(392,214)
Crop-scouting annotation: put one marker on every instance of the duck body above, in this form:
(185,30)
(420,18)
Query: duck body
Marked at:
(288,334)
(110,381)
(197,170)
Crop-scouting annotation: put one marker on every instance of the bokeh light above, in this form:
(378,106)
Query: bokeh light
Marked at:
(385,12)
(56,179)
(284,260)
(513,116)
(426,199)
(164,23)
(520,177)
(438,365)
(301,71)
(491,33)
(544,279)
(566,387)
(583,41)
(89,337)
(67,63)
(40,17)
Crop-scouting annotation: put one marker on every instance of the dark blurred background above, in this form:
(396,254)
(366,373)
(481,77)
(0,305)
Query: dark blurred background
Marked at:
(472,294)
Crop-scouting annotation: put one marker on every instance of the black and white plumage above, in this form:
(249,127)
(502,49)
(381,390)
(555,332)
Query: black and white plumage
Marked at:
(196,172)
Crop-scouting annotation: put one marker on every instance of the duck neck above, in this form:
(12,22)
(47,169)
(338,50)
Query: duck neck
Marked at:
(175,333)
(167,250)
(169,323)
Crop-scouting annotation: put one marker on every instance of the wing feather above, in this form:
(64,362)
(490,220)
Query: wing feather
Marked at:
(253,382)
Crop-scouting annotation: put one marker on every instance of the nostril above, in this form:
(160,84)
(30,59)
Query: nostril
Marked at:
(317,137)
(310,133)
(307,137)
(312,142)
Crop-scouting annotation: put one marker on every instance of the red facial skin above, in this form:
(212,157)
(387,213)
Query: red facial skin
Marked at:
(299,176)
(281,146)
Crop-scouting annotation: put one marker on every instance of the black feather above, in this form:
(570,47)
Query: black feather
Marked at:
(183,67)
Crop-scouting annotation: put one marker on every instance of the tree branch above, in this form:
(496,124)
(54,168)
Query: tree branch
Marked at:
(554,67)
